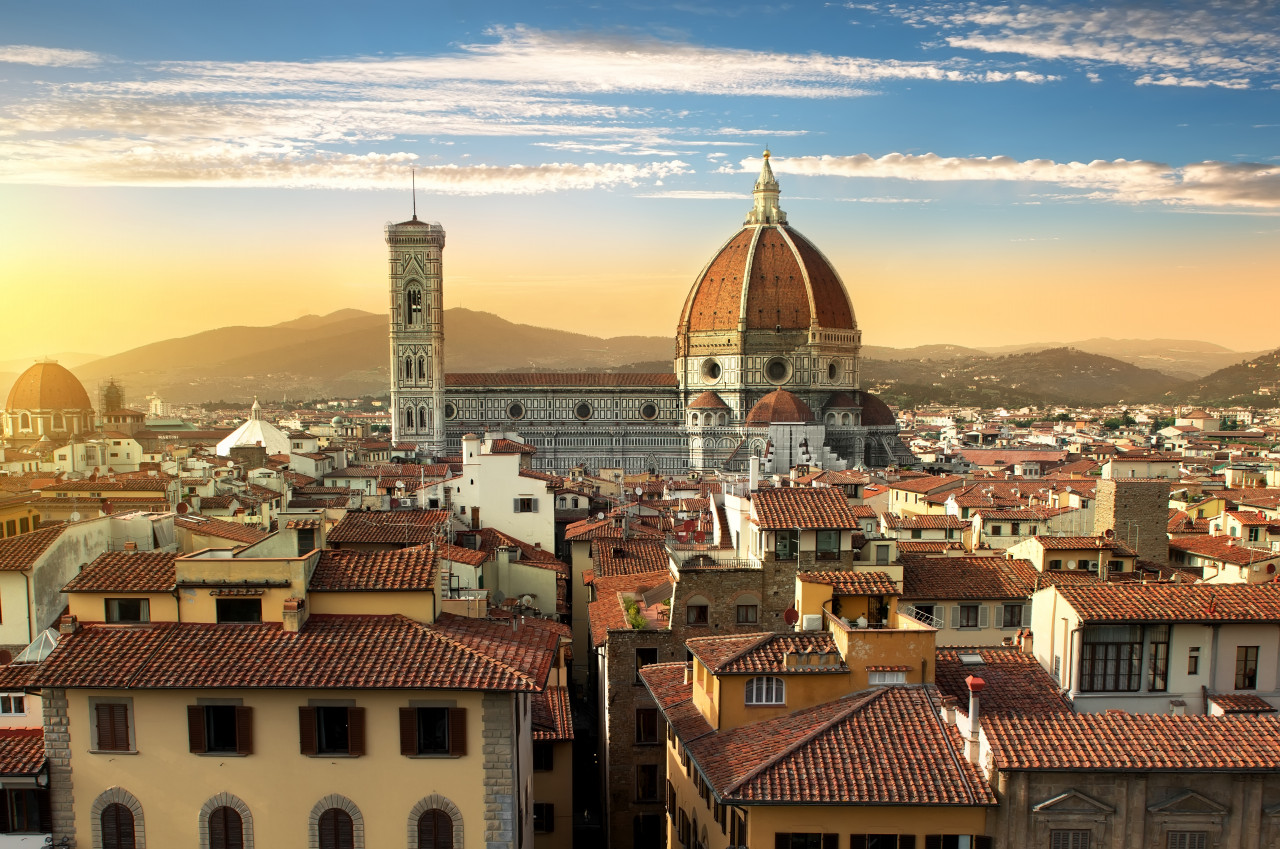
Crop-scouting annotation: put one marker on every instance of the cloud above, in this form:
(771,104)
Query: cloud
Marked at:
(1208,184)
(53,57)
(1181,43)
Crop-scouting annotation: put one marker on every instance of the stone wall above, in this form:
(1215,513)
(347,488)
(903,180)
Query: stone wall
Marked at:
(1137,510)
(57,749)
(499,736)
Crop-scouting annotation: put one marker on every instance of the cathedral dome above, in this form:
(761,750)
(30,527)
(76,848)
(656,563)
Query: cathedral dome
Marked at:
(779,406)
(875,413)
(767,277)
(48,386)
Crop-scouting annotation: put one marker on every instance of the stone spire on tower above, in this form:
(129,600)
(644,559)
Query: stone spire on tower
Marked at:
(766,209)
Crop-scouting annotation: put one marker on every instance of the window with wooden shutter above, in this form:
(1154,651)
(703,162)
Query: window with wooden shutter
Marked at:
(112,726)
(244,730)
(336,830)
(226,829)
(196,729)
(117,827)
(933,841)
(307,730)
(408,731)
(458,731)
(355,731)
(1069,838)
(435,830)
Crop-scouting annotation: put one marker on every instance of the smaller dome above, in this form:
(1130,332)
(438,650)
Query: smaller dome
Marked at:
(47,386)
(777,407)
(337,420)
(876,413)
(708,401)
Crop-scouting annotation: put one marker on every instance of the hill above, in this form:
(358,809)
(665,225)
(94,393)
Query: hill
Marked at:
(345,353)
(1057,375)
(1182,358)
(1255,382)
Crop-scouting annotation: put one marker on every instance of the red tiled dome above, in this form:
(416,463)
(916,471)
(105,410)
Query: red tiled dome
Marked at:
(875,412)
(786,279)
(840,401)
(47,386)
(708,401)
(779,406)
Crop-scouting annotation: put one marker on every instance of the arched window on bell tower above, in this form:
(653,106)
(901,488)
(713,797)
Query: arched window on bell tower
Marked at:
(408,368)
(422,417)
(422,368)
(413,306)
(408,418)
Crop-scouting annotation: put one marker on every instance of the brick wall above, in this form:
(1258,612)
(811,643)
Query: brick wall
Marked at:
(1138,511)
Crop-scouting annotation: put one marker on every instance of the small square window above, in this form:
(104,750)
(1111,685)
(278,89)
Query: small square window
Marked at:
(128,610)
(239,610)
(696,614)
(748,614)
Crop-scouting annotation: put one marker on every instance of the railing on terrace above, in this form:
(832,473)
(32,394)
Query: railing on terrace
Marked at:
(920,616)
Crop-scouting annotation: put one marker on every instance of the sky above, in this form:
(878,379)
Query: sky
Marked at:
(979,173)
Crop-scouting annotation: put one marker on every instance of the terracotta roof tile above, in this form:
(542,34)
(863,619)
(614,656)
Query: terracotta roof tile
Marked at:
(973,578)
(765,652)
(924,521)
(1226,549)
(926,484)
(1115,546)
(510,446)
(628,557)
(126,571)
(1135,742)
(401,527)
(1241,703)
(21,751)
(802,507)
(520,645)
(330,652)
(21,552)
(853,583)
(1129,602)
(1017,685)
(551,714)
(147,484)
(606,613)
(212,527)
(401,569)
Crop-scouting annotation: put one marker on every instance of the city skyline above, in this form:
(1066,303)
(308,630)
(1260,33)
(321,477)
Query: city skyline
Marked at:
(978,174)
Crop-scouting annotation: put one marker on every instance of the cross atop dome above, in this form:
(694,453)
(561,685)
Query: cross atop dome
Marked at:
(765,210)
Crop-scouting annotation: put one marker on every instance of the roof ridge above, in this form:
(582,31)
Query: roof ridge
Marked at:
(495,661)
(804,740)
(761,641)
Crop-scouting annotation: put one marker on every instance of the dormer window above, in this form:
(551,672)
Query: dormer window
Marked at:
(766,690)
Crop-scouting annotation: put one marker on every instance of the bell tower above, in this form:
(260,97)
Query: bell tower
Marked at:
(414,251)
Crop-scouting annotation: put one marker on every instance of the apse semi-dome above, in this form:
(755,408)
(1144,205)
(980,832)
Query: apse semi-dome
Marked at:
(47,386)
(875,413)
(767,277)
(780,407)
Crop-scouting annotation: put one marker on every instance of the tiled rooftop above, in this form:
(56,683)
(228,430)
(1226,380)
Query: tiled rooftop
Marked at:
(802,507)
(551,714)
(402,527)
(1226,549)
(765,652)
(126,571)
(1128,602)
(21,751)
(853,583)
(613,557)
(211,527)
(402,569)
(1234,703)
(21,552)
(1016,684)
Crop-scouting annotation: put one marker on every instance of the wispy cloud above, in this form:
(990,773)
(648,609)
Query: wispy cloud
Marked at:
(1209,184)
(574,93)
(1181,43)
(54,57)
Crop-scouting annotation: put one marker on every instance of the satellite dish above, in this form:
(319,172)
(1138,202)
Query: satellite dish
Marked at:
(74,517)
(499,596)
(639,490)
(526,600)
(230,463)
(106,507)
(791,616)
(600,515)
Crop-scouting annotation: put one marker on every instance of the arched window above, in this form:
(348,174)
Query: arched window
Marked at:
(422,417)
(336,830)
(435,830)
(693,419)
(117,827)
(408,418)
(408,368)
(57,422)
(766,690)
(708,419)
(226,829)
(413,305)
(422,368)
(24,422)
(722,419)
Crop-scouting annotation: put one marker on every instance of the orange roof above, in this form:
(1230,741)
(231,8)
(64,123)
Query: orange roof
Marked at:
(802,507)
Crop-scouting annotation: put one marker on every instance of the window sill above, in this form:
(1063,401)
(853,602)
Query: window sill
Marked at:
(439,756)
(221,754)
(336,755)
(766,705)
(648,743)
(113,751)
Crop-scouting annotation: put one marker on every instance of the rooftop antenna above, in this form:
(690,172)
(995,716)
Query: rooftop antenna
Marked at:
(413,187)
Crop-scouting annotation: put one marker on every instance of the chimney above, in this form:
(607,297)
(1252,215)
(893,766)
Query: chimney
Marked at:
(949,704)
(975,685)
(294,615)
(1177,707)
(68,624)
(1024,640)
(130,546)
(688,673)
(754,465)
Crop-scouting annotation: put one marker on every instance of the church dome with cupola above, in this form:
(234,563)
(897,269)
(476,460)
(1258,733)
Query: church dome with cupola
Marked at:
(46,401)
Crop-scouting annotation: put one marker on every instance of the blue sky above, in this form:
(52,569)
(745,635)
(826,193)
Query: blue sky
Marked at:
(1097,165)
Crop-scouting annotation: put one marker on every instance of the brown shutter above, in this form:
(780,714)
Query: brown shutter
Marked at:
(355,731)
(46,810)
(457,731)
(4,809)
(307,730)
(218,828)
(196,740)
(981,841)
(408,731)
(857,841)
(244,730)
(120,726)
(782,840)
(830,841)
(933,841)
(906,841)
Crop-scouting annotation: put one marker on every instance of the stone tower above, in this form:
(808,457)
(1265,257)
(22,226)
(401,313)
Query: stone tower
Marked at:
(414,251)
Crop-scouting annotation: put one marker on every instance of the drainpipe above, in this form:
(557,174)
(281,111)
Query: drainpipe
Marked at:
(975,685)
(31,619)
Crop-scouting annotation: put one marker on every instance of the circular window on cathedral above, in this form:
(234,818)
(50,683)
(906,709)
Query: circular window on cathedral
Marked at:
(711,371)
(777,370)
(516,410)
(649,411)
(583,410)
(833,371)
(450,411)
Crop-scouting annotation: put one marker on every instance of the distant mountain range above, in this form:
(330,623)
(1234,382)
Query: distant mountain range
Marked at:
(345,354)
